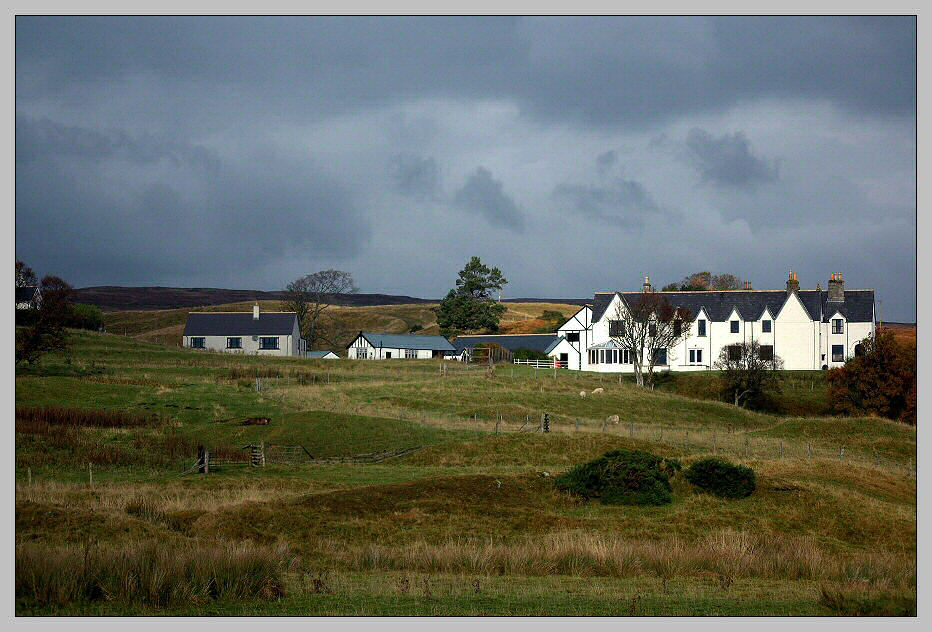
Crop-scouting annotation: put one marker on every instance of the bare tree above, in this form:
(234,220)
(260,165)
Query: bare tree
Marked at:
(648,328)
(25,277)
(725,281)
(310,295)
(749,371)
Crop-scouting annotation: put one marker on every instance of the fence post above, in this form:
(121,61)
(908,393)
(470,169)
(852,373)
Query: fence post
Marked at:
(29,476)
(631,431)
(841,453)
(747,447)
(714,444)
(809,451)
(603,425)
(577,424)
(687,439)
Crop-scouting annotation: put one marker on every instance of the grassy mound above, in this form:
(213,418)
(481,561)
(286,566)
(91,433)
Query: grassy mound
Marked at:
(722,478)
(621,477)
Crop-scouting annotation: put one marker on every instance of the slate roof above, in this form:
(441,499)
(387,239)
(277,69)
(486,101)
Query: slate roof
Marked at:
(405,341)
(858,305)
(319,354)
(24,294)
(535,342)
(240,324)
(554,344)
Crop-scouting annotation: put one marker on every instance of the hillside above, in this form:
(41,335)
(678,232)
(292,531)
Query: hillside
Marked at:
(167,326)
(468,524)
(110,298)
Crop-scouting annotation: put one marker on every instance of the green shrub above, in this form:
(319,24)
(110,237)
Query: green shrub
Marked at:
(621,477)
(529,354)
(85,317)
(721,478)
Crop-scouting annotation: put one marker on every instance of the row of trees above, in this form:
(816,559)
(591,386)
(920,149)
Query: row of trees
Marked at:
(705,281)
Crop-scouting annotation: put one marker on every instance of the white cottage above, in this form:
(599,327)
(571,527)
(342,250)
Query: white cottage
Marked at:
(807,329)
(265,333)
(372,346)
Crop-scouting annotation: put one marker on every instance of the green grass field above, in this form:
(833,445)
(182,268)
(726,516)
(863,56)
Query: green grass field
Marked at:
(469,523)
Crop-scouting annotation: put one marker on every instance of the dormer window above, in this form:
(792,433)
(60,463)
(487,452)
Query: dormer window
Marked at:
(838,326)
(616,328)
(765,326)
(700,326)
(734,326)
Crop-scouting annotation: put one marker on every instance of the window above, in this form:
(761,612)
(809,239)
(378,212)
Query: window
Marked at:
(268,342)
(838,326)
(660,357)
(410,354)
(765,326)
(234,343)
(838,353)
(601,356)
(614,356)
(388,355)
(677,328)
(362,353)
(652,330)
(695,356)
(766,352)
(197,343)
(572,336)
(734,352)
(734,326)
(616,328)
(625,356)
(701,327)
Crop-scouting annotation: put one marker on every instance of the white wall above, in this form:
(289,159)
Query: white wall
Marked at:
(383,353)
(287,345)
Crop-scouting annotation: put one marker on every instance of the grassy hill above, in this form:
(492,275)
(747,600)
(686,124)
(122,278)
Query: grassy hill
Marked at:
(467,524)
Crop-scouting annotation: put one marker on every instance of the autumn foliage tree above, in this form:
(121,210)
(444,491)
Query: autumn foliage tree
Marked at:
(880,381)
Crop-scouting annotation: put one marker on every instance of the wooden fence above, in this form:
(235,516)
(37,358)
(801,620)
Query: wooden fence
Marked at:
(258,455)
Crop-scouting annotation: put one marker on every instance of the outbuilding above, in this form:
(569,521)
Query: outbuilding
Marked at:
(323,355)
(374,346)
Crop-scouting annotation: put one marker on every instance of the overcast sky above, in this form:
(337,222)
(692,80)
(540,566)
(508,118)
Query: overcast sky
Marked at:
(576,154)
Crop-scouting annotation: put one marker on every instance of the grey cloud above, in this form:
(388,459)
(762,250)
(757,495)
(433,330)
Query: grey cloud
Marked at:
(485,196)
(416,176)
(606,70)
(606,161)
(124,222)
(622,203)
(728,159)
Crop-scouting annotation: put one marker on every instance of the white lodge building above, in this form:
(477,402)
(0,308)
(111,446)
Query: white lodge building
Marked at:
(807,329)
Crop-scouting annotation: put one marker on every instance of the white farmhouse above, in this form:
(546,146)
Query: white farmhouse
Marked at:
(807,329)
(266,333)
(372,346)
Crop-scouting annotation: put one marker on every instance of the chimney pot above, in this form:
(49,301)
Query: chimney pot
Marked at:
(792,284)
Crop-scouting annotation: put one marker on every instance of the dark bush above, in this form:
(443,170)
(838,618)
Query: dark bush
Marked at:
(722,478)
(621,477)
(530,354)
(85,317)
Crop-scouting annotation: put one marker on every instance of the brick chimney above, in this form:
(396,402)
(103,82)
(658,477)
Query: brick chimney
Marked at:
(836,288)
(647,284)
(255,311)
(792,283)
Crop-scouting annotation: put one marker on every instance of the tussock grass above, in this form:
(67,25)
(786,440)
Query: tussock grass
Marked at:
(724,554)
(149,573)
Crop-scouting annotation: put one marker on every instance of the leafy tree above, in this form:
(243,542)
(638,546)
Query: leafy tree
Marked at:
(725,282)
(86,317)
(310,295)
(648,327)
(881,381)
(705,281)
(25,277)
(470,306)
(47,332)
(747,376)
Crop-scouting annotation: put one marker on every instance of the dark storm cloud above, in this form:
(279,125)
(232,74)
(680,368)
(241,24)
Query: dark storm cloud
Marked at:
(601,70)
(416,176)
(728,159)
(623,202)
(485,196)
(105,217)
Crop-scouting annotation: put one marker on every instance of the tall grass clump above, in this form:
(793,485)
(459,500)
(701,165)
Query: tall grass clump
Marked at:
(621,477)
(80,418)
(154,574)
